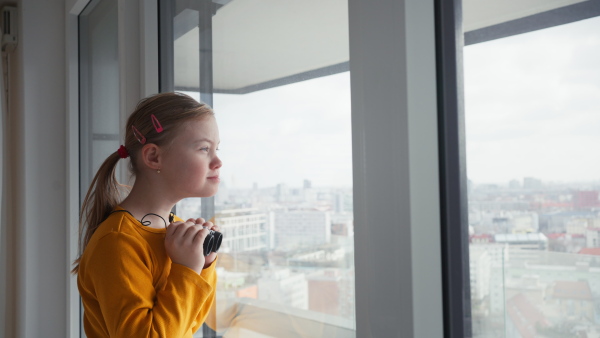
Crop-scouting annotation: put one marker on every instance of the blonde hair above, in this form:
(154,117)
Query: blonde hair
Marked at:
(172,110)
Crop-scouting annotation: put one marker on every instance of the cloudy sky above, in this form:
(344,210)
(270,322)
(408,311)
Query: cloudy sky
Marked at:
(287,134)
(532,105)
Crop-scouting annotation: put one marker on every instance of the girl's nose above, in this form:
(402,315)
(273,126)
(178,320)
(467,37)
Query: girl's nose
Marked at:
(216,163)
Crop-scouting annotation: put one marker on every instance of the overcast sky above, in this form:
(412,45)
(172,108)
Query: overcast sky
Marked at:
(287,134)
(532,105)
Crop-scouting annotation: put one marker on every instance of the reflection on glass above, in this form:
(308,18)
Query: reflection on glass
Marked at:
(533,165)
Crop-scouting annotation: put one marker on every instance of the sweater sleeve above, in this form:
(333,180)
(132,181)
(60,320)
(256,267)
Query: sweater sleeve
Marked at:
(131,307)
(210,275)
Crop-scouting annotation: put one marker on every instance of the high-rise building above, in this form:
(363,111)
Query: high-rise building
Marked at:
(486,263)
(480,265)
(243,230)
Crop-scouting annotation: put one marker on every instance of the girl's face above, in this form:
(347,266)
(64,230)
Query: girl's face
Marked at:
(191,165)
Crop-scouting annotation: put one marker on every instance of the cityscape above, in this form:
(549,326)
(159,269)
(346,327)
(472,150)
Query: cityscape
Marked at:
(285,246)
(534,258)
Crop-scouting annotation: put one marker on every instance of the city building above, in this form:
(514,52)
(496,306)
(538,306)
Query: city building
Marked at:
(592,237)
(532,183)
(480,269)
(283,286)
(574,298)
(586,199)
(486,265)
(331,291)
(564,242)
(342,224)
(301,228)
(243,230)
(524,318)
(529,241)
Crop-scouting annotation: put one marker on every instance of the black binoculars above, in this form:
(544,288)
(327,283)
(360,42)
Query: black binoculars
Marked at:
(212,242)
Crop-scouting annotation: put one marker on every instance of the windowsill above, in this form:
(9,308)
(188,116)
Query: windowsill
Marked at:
(276,320)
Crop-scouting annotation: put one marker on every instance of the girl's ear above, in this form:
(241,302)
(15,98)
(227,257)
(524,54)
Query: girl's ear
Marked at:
(151,156)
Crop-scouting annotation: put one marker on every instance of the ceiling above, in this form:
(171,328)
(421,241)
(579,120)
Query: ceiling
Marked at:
(259,44)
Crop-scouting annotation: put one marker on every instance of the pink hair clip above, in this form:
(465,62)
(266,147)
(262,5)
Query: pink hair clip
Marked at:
(156,124)
(139,136)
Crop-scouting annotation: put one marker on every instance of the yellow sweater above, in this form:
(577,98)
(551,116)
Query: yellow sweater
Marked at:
(130,288)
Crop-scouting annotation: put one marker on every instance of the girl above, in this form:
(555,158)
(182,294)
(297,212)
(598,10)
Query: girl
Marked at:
(138,275)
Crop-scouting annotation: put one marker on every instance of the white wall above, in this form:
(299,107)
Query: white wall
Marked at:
(37,274)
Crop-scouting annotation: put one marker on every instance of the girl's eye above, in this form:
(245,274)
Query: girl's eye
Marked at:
(205,149)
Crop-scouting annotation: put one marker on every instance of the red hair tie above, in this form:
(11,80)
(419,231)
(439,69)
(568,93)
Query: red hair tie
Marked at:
(123,153)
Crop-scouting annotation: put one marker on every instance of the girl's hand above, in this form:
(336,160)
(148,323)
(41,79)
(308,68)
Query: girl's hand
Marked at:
(183,243)
(213,255)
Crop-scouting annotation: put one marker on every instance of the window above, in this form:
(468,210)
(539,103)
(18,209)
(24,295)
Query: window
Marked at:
(531,113)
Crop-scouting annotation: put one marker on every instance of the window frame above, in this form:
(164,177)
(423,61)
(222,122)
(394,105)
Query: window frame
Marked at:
(453,177)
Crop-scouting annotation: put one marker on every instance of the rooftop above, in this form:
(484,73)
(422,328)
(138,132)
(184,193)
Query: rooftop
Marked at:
(520,238)
(590,251)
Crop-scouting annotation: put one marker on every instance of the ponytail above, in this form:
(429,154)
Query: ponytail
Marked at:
(104,194)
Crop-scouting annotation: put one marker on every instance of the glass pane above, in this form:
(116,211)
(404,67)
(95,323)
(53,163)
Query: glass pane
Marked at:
(532,120)
(281,94)
(99,87)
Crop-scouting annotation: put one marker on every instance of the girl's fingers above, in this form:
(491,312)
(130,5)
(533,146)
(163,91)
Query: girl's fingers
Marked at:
(172,228)
(190,230)
(199,220)
(191,235)
(209,225)
(200,236)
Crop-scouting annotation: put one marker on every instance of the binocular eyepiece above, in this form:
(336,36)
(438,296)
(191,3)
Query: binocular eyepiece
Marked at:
(212,242)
